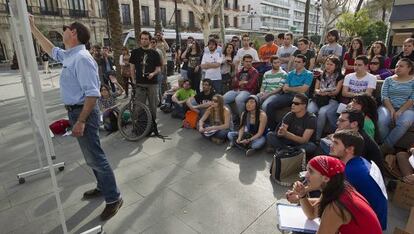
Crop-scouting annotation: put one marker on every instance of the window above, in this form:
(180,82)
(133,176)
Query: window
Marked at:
(236,22)
(126,14)
(226,4)
(163,15)
(243,8)
(77,8)
(191,19)
(145,17)
(236,4)
(249,7)
(243,20)
(49,7)
(179,21)
(216,22)
(226,21)
(103,9)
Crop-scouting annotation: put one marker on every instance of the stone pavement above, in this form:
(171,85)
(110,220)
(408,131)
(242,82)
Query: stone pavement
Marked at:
(182,185)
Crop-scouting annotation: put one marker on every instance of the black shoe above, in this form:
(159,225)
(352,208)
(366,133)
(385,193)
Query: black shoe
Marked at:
(111,209)
(93,193)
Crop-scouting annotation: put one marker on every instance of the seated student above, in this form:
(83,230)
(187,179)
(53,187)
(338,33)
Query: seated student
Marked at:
(407,52)
(201,101)
(397,96)
(218,118)
(341,208)
(367,105)
(252,128)
(297,81)
(358,82)
(244,85)
(364,175)
(166,103)
(327,88)
(180,98)
(379,48)
(377,67)
(273,81)
(107,103)
(354,120)
(406,168)
(297,128)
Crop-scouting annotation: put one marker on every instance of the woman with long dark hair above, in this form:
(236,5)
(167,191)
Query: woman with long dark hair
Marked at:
(340,207)
(193,55)
(218,118)
(379,48)
(327,87)
(377,67)
(251,134)
(367,105)
(356,48)
(227,67)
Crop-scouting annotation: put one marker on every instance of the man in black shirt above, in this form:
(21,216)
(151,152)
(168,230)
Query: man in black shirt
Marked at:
(184,68)
(201,101)
(298,128)
(145,65)
(408,52)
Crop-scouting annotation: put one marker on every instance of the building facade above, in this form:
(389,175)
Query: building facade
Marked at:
(401,24)
(278,16)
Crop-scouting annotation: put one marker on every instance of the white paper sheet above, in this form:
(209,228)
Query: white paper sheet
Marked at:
(292,218)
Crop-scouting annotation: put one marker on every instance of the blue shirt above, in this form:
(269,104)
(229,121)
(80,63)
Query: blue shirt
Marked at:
(79,77)
(298,79)
(357,172)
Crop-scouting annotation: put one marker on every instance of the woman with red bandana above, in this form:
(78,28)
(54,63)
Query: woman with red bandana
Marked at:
(341,208)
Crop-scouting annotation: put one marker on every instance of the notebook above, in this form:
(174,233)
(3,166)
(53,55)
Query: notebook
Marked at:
(292,218)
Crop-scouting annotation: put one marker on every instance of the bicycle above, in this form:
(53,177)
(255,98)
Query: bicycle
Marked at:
(135,119)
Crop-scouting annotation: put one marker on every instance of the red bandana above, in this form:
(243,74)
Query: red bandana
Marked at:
(327,165)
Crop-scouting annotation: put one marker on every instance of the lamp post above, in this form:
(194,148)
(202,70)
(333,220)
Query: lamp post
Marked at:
(251,15)
(177,33)
(318,6)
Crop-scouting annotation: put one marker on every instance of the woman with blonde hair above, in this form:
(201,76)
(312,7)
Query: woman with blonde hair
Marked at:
(218,118)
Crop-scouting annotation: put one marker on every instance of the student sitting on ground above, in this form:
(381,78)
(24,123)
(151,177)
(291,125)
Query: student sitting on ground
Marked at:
(218,121)
(201,101)
(297,128)
(251,134)
(272,83)
(180,98)
(340,207)
(107,103)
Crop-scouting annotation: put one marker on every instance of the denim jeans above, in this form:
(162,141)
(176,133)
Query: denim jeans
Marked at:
(184,74)
(279,142)
(217,85)
(267,101)
(327,112)
(239,97)
(278,102)
(94,155)
(403,123)
(256,144)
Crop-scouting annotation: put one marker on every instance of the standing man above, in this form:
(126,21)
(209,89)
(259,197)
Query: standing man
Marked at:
(184,68)
(285,52)
(211,63)
(303,48)
(79,88)
(145,66)
(268,49)
(331,48)
(107,63)
(246,49)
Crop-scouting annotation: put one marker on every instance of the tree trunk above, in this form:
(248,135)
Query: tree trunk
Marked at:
(358,7)
(115,27)
(306,21)
(137,20)
(158,27)
(205,27)
(222,24)
(384,11)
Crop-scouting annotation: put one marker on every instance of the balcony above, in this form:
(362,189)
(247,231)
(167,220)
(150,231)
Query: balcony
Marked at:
(78,13)
(279,2)
(53,12)
(276,13)
(35,10)
(299,17)
(275,25)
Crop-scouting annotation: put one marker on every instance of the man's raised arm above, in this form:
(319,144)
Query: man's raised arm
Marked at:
(42,40)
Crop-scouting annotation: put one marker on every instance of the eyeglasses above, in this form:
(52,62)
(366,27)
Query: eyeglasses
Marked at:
(298,103)
(66,27)
(374,63)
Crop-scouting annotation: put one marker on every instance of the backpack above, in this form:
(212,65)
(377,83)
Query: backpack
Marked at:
(190,120)
(286,165)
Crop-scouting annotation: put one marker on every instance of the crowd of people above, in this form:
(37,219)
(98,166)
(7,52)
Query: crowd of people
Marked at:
(353,104)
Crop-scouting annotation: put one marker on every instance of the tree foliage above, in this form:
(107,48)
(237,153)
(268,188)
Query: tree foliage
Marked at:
(354,25)
(376,31)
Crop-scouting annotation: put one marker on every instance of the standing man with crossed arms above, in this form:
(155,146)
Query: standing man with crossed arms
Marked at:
(79,90)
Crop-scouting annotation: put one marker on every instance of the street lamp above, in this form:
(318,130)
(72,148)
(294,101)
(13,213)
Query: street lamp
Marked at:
(251,15)
(318,6)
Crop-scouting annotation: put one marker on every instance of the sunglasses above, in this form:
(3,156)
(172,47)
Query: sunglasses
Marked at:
(66,27)
(298,103)
(374,63)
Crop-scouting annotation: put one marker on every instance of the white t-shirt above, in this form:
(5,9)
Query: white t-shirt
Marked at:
(285,52)
(242,52)
(360,85)
(212,73)
(329,49)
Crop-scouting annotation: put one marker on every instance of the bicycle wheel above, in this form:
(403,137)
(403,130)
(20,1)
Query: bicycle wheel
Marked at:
(134,121)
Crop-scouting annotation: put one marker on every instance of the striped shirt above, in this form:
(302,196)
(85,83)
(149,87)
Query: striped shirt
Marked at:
(273,81)
(397,92)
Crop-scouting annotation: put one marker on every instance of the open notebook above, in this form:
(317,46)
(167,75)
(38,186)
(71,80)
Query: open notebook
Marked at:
(292,218)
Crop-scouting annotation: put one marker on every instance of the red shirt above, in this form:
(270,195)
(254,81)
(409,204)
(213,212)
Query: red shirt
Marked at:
(364,219)
(351,62)
(251,76)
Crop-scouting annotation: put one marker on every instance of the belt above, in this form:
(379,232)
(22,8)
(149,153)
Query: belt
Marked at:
(73,107)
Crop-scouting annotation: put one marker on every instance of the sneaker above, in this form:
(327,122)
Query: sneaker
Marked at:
(249,152)
(111,209)
(93,193)
(218,141)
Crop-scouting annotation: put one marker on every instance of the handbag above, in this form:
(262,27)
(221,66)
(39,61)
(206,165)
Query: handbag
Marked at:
(286,165)
(321,101)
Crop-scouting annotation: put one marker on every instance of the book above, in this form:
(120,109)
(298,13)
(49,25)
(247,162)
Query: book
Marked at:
(292,218)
